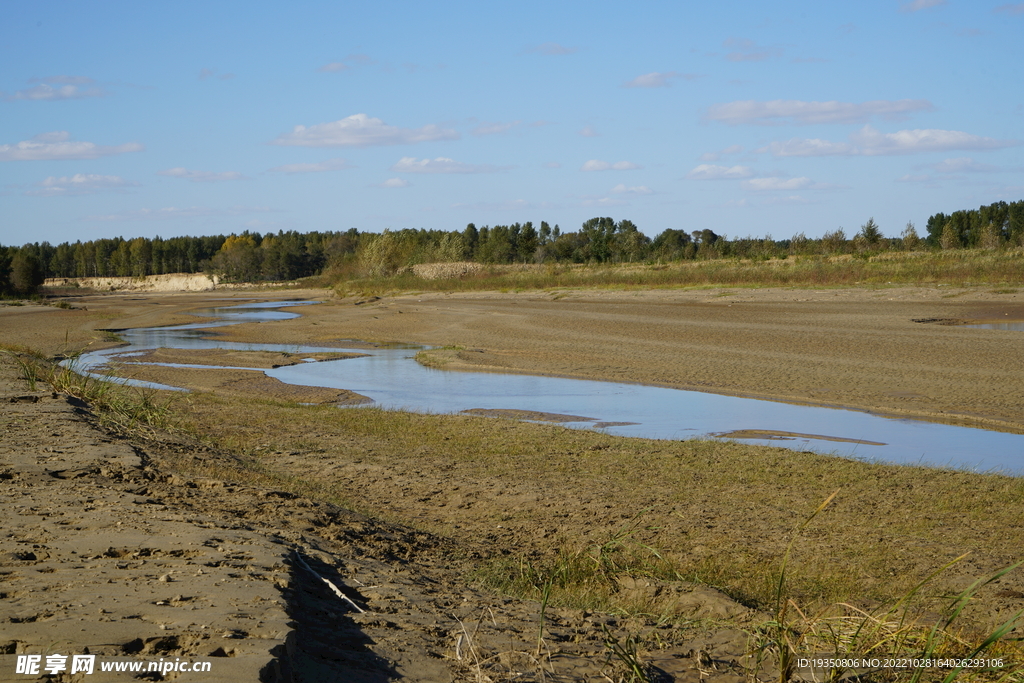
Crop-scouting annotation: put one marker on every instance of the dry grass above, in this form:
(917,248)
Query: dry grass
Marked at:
(718,513)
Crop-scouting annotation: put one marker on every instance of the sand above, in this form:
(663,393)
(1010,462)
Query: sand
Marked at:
(106,547)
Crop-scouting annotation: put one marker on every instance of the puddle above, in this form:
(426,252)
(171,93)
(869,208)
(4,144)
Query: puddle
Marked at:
(393,379)
(1015,326)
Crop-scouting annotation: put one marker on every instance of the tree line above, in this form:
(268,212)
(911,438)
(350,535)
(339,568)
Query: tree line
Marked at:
(290,255)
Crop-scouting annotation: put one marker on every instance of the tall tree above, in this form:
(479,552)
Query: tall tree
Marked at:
(26,272)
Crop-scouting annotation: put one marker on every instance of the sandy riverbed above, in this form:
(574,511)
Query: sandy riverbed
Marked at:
(137,520)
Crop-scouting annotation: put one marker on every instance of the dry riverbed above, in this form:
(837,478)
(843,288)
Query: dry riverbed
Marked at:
(99,520)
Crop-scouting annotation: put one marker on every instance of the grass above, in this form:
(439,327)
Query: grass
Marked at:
(955,267)
(119,406)
(894,631)
(718,513)
(860,579)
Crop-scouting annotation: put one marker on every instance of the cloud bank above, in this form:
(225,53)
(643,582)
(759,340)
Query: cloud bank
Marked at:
(870,142)
(58,145)
(657,79)
(200,176)
(800,112)
(442,165)
(360,130)
(320,167)
(595,165)
(78,184)
(715,172)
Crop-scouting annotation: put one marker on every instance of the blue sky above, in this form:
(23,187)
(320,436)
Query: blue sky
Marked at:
(148,118)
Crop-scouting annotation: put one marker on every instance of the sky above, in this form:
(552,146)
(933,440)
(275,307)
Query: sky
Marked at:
(750,119)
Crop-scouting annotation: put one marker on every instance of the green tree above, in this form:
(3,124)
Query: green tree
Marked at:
(870,234)
(26,272)
(671,245)
(527,243)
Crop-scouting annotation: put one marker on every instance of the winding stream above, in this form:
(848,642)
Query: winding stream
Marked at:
(393,379)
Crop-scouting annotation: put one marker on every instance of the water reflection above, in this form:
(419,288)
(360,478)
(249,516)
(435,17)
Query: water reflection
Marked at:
(1016,326)
(393,379)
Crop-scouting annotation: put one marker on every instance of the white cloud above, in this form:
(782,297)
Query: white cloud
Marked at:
(395,182)
(201,176)
(872,142)
(766,184)
(80,183)
(595,165)
(639,189)
(64,79)
(329,165)
(748,51)
(803,147)
(553,49)
(67,88)
(361,130)
(657,79)
(442,165)
(58,145)
(173,212)
(918,5)
(1010,9)
(589,132)
(963,165)
(494,128)
(797,111)
(713,172)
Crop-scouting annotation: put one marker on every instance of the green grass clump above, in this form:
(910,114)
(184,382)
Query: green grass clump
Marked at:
(118,405)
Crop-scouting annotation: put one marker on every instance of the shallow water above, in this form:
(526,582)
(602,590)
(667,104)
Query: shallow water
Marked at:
(393,379)
(1016,326)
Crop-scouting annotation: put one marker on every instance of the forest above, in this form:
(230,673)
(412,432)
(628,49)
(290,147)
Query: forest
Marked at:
(286,256)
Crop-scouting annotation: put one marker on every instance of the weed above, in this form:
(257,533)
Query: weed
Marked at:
(28,362)
(626,652)
(779,636)
(846,632)
(119,406)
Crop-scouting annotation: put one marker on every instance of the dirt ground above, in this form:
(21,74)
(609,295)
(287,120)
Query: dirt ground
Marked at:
(107,547)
